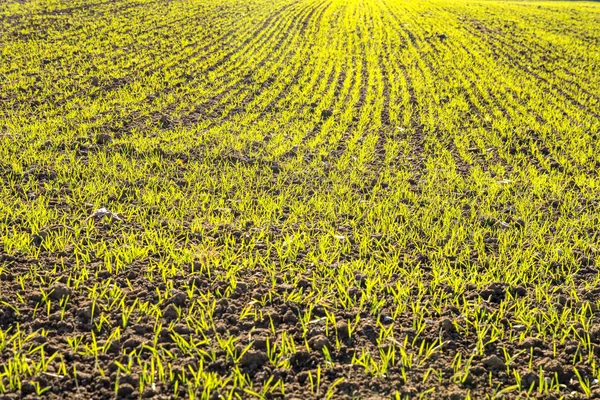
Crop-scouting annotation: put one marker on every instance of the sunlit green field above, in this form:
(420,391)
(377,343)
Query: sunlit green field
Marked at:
(332,199)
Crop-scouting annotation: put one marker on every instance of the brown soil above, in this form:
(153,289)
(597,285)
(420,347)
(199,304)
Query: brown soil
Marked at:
(284,316)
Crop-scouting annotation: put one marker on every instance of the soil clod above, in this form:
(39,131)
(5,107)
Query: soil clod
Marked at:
(494,362)
(319,342)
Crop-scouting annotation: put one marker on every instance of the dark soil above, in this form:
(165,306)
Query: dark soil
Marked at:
(283,317)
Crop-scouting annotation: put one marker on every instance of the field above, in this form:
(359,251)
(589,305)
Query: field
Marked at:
(221,199)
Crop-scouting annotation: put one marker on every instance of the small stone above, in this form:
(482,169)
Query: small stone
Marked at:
(38,238)
(260,343)
(571,347)
(220,327)
(113,347)
(102,213)
(493,362)
(586,261)
(477,370)
(83,377)
(519,291)
(85,312)
(319,310)
(285,287)
(197,282)
(318,342)
(40,339)
(303,283)
(494,292)
(102,382)
(556,367)
(562,299)
(274,317)
(131,379)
